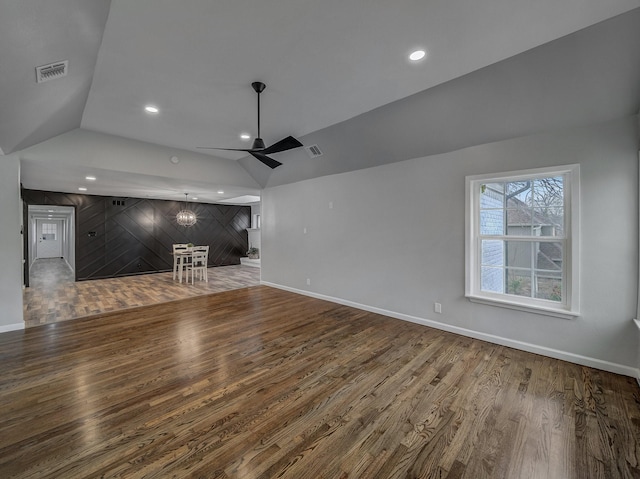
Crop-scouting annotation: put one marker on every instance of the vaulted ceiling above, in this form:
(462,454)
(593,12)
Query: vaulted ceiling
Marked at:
(337,75)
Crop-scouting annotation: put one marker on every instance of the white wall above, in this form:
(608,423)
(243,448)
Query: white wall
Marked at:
(394,240)
(70,239)
(254,236)
(89,151)
(10,240)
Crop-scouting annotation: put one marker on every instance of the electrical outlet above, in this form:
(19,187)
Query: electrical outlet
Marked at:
(437,307)
(330,205)
(308,282)
(304,231)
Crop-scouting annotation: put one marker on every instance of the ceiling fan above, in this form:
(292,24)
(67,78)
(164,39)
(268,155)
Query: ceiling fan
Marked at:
(258,150)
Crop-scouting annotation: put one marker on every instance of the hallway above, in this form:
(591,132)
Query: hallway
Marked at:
(54,296)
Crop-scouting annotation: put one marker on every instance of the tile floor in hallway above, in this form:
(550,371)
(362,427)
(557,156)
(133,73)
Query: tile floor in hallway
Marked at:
(54,296)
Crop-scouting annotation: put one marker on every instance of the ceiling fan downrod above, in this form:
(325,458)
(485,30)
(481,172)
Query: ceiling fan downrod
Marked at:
(258,143)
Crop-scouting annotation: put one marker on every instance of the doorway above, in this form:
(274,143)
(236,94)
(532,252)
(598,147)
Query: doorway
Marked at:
(51,234)
(49,241)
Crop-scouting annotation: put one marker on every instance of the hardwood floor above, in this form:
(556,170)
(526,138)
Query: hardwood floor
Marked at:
(262,383)
(54,296)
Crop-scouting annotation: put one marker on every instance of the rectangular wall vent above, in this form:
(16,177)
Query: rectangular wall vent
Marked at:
(313,151)
(52,71)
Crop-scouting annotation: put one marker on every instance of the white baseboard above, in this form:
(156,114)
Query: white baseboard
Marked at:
(532,348)
(637,323)
(5,328)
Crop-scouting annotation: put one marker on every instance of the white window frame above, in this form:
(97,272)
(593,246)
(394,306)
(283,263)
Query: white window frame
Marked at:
(569,307)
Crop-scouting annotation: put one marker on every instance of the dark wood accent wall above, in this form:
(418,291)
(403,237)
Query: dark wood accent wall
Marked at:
(118,236)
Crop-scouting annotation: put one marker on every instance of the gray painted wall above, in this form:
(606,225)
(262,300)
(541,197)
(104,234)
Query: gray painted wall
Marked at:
(10,239)
(394,238)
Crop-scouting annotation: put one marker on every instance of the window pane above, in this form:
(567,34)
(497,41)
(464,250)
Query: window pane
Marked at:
(548,192)
(519,254)
(491,222)
(492,279)
(519,221)
(49,231)
(492,195)
(519,193)
(549,221)
(492,253)
(549,288)
(519,282)
(549,257)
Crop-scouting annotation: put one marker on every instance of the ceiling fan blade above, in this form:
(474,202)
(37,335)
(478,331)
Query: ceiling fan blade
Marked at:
(270,162)
(285,144)
(225,149)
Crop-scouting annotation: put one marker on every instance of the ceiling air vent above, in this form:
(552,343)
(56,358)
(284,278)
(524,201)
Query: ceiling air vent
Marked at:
(52,71)
(313,151)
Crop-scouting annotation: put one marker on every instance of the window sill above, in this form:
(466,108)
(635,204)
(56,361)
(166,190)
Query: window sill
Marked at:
(556,312)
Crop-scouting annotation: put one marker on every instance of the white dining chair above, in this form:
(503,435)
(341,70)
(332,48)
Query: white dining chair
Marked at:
(202,249)
(198,265)
(178,264)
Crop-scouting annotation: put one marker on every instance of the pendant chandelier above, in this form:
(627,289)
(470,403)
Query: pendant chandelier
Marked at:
(186,217)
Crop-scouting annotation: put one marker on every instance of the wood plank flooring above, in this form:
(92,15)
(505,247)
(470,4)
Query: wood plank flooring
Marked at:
(54,296)
(263,383)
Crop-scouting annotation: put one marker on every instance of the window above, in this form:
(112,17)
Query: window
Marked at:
(49,231)
(522,240)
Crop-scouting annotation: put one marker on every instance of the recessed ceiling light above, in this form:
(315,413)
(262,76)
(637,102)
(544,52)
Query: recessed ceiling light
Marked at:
(175,160)
(151,109)
(194,198)
(221,192)
(245,136)
(82,188)
(417,55)
(90,178)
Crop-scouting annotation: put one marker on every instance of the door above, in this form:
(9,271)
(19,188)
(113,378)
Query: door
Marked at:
(49,239)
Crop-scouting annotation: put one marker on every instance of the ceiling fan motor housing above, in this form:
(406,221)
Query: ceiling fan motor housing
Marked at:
(258,144)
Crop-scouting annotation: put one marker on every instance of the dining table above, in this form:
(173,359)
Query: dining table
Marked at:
(184,257)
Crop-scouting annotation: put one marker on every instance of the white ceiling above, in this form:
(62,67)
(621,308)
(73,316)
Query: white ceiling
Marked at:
(51,211)
(323,63)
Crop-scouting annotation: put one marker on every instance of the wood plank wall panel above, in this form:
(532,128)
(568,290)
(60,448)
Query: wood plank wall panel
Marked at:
(136,236)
